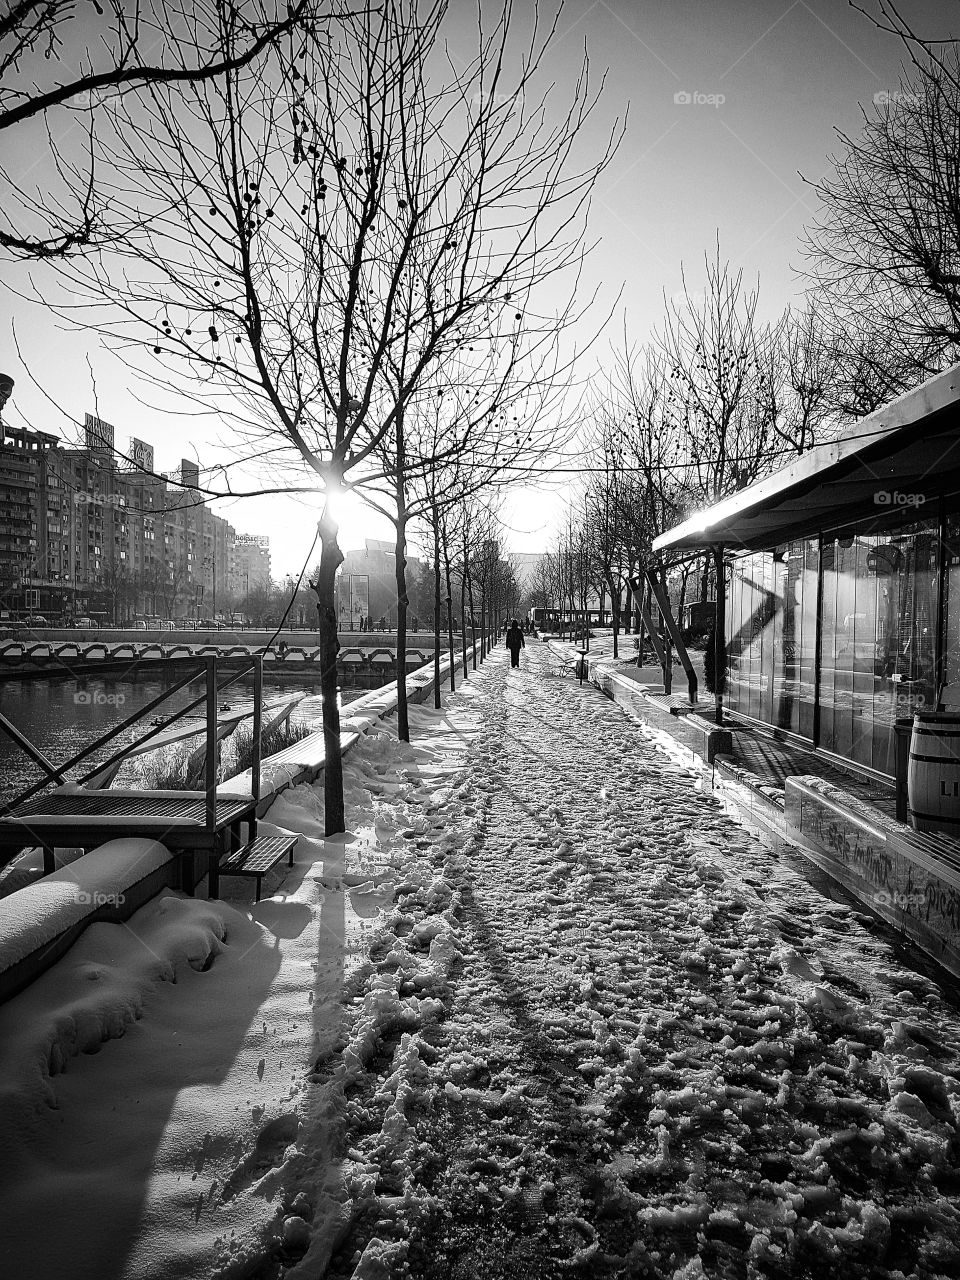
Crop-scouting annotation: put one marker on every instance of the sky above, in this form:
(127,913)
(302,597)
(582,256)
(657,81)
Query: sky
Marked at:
(729,102)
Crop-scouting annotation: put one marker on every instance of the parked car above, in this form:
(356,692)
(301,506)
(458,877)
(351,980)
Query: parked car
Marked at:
(139,625)
(35,620)
(84,622)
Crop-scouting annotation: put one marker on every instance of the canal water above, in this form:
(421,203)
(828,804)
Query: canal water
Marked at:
(60,717)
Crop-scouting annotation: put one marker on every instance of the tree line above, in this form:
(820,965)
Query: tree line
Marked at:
(366,259)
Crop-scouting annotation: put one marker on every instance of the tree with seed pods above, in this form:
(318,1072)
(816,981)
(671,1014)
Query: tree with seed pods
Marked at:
(58,70)
(352,196)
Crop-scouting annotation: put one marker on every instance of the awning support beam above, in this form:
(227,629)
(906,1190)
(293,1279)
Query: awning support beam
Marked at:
(719,635)
(658,587)
(637,592)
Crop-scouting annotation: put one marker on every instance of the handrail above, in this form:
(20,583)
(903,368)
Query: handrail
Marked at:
(95,746)
(33,752)
(178,715)
(210,759)
(207,667)
(257,727)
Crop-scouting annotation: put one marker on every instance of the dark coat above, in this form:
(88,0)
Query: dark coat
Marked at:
(515,641)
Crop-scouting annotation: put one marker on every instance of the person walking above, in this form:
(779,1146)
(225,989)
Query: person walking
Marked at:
(515,642)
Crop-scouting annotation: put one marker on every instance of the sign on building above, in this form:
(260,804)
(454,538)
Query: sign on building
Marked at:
(98,434)
(141,454)
(359,596)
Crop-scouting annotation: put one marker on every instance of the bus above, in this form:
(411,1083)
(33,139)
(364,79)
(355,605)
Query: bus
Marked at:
(551,619)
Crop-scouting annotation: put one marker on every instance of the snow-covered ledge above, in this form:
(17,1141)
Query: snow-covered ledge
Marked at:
(303,762)
(39,922)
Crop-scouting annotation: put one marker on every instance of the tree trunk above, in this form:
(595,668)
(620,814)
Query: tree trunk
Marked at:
(463,626)
(403,719)
(615,611)
(684,575)
(331,557)
(483,624)
(400,570)
(449,585)
(436,612)
(473,617)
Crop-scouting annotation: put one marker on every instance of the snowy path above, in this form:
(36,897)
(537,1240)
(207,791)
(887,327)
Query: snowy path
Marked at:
(660,1053)
(544,1011)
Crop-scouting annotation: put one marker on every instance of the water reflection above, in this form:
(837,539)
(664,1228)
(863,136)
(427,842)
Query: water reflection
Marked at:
(61,716)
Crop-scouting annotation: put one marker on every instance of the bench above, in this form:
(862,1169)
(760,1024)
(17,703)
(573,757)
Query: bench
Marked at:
(258,857)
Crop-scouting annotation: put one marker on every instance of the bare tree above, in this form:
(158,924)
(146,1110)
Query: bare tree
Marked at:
(300,223)
(483,420)
(608,513)
(712,351)
(58,68)
(884,249)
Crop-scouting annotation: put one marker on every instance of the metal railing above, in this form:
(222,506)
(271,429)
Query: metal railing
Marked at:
(206,668)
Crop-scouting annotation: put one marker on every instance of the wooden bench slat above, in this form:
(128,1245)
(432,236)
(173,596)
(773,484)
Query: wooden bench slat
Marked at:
(258,857)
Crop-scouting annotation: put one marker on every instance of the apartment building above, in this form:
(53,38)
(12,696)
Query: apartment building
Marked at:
(94,531)
(251,561)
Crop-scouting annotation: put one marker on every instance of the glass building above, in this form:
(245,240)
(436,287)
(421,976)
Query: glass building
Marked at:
(842,607)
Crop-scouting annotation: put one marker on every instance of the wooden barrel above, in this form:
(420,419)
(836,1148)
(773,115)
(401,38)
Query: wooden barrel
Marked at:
(933,773)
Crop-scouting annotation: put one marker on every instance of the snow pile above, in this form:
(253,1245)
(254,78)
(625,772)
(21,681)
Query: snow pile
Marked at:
(202,1139)
(95,992)
(40,912)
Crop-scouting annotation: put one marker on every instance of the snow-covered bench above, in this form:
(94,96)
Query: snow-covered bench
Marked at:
(258,857)
(42,920)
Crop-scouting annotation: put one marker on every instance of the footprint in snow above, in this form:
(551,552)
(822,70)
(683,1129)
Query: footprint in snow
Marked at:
(272,1141)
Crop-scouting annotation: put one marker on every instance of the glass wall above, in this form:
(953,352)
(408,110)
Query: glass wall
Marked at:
(878,634)
(951,608)
(772,617)
(878,647)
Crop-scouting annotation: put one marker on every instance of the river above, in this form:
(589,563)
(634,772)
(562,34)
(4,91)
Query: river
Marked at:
(60,717)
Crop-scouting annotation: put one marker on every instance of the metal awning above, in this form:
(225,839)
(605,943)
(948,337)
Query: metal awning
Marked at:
(900,457)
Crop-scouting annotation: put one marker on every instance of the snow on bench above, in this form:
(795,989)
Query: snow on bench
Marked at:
(40,921)
(258,857)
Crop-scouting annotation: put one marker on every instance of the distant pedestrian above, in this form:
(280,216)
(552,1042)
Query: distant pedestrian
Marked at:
(515,642)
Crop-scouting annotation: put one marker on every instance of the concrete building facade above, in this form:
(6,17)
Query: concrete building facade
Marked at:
(88,531)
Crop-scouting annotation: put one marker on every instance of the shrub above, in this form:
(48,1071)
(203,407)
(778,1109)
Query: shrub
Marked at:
(166,769)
